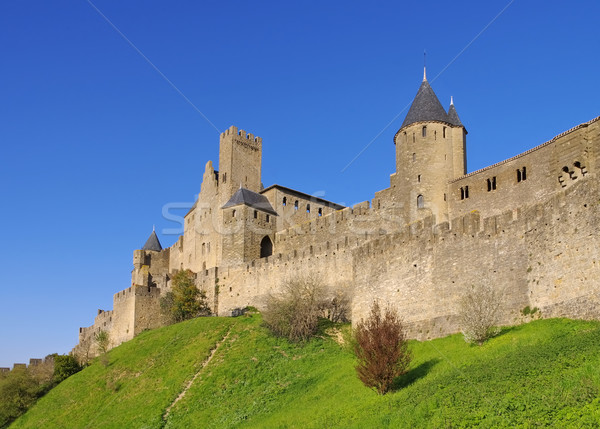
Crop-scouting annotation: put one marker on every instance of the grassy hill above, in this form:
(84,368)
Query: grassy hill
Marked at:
(543,373)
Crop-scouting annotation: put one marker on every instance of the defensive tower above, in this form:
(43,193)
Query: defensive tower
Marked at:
(430,151)
(240,156)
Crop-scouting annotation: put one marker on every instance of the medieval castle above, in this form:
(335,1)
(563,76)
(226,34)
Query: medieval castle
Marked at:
(526,224)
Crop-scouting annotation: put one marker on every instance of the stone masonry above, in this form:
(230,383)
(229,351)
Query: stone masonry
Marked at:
(527,225)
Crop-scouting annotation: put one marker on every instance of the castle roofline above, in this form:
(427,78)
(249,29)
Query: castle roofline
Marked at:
(305,196)
(152,243)
(425,107)
(251,199)
(533,149)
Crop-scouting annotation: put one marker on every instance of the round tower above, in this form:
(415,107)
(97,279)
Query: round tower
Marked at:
(430,151)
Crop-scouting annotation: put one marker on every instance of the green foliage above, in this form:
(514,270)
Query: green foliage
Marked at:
(102,340)
(381,349)
(21,387)
(65,366)
(544,373)
(185,301)
(527,311)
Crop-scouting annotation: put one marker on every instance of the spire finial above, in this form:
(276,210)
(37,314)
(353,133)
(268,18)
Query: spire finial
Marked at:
(451,100)
(153,229)
(424,66)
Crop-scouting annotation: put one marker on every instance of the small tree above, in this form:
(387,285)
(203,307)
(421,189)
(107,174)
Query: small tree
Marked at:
(478,313)
(381,349)
(102,340)
(294,313)
(185,301)
(65,366)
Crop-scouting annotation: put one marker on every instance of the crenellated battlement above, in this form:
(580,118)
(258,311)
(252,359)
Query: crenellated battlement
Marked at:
(233,131)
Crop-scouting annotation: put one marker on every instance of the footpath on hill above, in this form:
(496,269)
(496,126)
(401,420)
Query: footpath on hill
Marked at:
(229,372)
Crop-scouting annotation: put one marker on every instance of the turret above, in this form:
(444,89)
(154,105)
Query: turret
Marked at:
(430,151)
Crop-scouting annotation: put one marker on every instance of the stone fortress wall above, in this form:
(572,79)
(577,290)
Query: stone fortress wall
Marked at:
(526,225)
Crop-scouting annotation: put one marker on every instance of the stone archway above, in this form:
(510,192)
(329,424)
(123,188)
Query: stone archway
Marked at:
(266,247)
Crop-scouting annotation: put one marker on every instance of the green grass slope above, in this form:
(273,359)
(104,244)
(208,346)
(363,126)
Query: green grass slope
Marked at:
(545,373)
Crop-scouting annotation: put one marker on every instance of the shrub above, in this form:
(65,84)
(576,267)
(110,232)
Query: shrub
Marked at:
(185,301)
(65,366)
(102,340)
(479,313)
(336,307)
(294,313)
(381,349)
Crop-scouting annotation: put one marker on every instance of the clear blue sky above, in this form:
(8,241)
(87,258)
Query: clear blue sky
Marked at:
(95,142)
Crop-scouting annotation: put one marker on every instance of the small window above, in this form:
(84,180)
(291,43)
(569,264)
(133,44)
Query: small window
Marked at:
(296,205)
(424,131)
(224,177)
(420,202)
(308,208)
(320,212)
(414,157)
(464,193)
(284,201)
(521,174)
(444,197)
(268,218)
(233,213)
(419,178)
(524,174)
(255,214)
(491,184)
(413,137)
(444,132)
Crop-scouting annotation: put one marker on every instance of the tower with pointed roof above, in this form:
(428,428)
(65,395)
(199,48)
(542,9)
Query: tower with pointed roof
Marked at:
(430,151)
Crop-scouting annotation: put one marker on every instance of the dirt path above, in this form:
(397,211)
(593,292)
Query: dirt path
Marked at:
(189,384)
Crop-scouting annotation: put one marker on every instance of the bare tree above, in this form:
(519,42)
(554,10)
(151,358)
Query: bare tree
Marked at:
(381,349)
(479,312)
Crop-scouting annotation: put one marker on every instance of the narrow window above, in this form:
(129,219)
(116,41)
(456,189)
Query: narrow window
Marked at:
(296,205)
(308,208)
(435,135)
(284,201)
(419,178)
(203,248)
(414,157)
(444,132)
(494,183)
(424,131)
(524,174)
(233,213)
(420,202)
(462,193)
(255,214)
(413,137)
(466,192)
(320,212)
(405,137)
(518,176)
(491,184)
(224,177)
(444,197)
(268,218)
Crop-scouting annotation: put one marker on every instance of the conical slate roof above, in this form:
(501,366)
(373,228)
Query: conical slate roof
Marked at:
(453,116)
(251,199)
(152,243)
(425,107)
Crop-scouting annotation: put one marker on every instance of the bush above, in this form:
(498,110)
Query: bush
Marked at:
(102,340)
(185,301)
(336,307)
(65,366)
(479,313)
(294,313)
(381,349)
